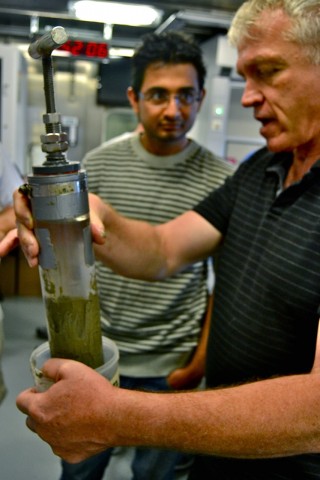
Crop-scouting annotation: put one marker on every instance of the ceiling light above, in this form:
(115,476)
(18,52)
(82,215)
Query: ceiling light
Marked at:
(115,13)
(121,52)
(107,31)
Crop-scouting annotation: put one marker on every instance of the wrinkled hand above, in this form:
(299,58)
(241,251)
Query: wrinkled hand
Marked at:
(98,214)
(70,416)
(25,225)
(28,242)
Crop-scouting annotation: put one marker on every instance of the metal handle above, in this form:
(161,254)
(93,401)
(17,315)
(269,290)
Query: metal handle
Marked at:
(44,46)
(54,142)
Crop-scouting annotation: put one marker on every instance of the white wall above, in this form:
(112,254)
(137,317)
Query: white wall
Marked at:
(13,104)
(75,98)
(223,125)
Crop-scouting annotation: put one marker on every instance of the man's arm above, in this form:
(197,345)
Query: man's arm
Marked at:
(137,249)
(133,248)
(191,375)
(83,414)
(8,232)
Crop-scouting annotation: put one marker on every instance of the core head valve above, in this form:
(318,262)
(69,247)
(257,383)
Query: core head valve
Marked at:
(55,142)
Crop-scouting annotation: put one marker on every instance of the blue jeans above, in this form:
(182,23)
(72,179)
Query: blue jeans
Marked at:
(148,463)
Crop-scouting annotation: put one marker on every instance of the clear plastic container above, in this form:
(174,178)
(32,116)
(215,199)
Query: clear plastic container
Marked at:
(109,369)
(67,271)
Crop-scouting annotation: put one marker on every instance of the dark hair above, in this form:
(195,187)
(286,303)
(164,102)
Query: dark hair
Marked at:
(169,48)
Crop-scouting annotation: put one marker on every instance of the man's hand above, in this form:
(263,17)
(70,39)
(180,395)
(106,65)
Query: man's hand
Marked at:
(9,242)
(71,414)
(25,225)
(185,378)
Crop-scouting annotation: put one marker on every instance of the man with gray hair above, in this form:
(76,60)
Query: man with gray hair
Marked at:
(265,221)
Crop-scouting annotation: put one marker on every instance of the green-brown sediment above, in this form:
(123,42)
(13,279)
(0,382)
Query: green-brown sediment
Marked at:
(74,329)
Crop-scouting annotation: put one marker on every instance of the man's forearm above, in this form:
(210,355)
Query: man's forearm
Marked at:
(137,249)
(270,418)
(132,248)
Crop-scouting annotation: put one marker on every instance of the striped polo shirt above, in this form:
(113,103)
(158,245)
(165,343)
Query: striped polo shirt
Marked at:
(267,288)
(156,325)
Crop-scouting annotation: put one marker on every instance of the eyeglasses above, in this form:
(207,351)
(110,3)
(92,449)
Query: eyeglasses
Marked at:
(162,97)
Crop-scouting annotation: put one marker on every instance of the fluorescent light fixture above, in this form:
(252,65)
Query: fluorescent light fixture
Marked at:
(107,31)
(121,52)
(199,18)
(34,24)
(114,13)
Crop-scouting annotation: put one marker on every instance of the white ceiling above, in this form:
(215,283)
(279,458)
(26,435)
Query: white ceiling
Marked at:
(208,18)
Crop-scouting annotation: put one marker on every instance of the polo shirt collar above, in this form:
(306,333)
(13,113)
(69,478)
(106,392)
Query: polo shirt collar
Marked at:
(279,165)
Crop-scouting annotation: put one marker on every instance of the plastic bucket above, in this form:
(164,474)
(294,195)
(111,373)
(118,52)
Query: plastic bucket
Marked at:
(109,370)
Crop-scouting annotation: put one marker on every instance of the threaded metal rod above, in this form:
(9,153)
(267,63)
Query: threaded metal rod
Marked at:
(48,84)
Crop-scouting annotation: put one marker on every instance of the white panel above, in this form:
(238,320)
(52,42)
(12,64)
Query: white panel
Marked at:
(226,54)
(13,104)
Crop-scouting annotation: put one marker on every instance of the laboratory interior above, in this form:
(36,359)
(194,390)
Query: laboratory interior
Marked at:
(90,73)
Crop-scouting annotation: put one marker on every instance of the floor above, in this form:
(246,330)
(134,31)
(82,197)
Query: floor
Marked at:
(23,455)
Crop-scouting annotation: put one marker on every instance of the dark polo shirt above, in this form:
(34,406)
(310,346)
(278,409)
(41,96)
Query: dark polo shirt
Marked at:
(267,292)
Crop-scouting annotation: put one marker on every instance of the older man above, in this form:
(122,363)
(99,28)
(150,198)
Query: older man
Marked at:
(265,221)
